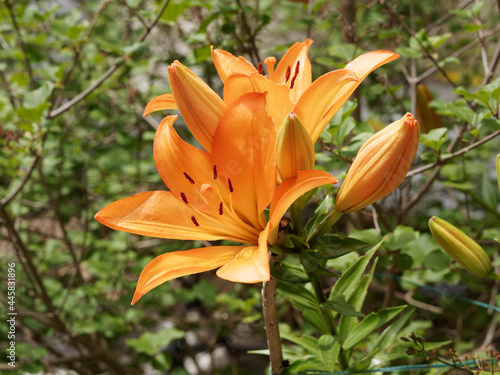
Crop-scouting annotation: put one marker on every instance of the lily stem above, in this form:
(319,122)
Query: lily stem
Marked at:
(327,225)
(271,321)
(327,316)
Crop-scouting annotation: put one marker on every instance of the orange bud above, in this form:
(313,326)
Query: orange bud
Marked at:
(294,148)
(200,106)
(427,117)
(380,166)
(467,252)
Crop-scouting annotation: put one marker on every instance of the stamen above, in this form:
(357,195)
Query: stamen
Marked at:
(184,199)
(230,185)
(295,74)
(260,69)
(221,212)
(188,178)
(215,172)
(195,222)
(287,74)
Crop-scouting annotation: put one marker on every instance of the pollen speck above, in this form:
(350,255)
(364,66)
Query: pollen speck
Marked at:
(195,222)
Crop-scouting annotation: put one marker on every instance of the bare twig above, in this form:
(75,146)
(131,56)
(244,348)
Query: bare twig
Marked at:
(21,43)
(458,53)
(56,112)
(271,321)
(25,179)
(454,155)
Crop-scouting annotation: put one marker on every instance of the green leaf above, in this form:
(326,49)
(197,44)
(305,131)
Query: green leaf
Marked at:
(489,192)
(304,300)
(332,246)
(308,342)
(150,343)
(435,138)
(35,98)
(370,323)
(289,273)
(329,350)
(409,53)
(345,285)
(391,333)
(401,236)
(340,305)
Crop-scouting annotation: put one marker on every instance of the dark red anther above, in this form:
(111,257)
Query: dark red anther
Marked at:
(230,185)
(195,222)
(295,74)
(188,178)
(215,172)
(288,72)
(260,69)
(184,199)
(221,211)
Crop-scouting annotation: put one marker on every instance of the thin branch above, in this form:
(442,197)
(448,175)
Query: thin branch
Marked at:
(458,53)
(57,212)
(56,112)
(21,43)
(454,155)
(424,49)
(25,179)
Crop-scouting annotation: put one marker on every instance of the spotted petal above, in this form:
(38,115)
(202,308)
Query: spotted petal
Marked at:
(160,214)
(226,64)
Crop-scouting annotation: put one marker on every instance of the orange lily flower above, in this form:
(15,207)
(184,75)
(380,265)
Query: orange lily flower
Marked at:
(290,86)
(220,195)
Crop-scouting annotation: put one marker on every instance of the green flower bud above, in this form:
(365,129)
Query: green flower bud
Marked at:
(461,247)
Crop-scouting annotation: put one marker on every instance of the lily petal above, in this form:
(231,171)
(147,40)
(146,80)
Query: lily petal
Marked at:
(244,154)
(251,264)
(278,104)
(165,101)
(361,66)
(181,263)
(201,108)
(160,214)
(227,64)
(183,168)
(290,190)
(295,60)
(318,99)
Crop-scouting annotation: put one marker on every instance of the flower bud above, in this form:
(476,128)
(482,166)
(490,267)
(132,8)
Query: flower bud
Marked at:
(380,165)
(498,170)
(427,116)
(461,247)
(294,148)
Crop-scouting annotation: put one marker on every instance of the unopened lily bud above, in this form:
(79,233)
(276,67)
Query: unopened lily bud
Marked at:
(461,247)
(498,170)
(294,148)
(426,115)
(380,165)
(200,106)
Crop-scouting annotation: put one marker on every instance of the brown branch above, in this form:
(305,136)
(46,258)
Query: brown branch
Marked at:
(458,53)
(271,321)
(57,212)
(56,112)
(424,49)
(25,179)
(21,43)
(454,155)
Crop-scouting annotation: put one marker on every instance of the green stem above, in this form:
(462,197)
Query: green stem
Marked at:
(327,316)
(295,211)
(327,225)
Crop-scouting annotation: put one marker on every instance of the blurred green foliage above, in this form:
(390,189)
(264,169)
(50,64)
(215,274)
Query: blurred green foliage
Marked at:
(74,80)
